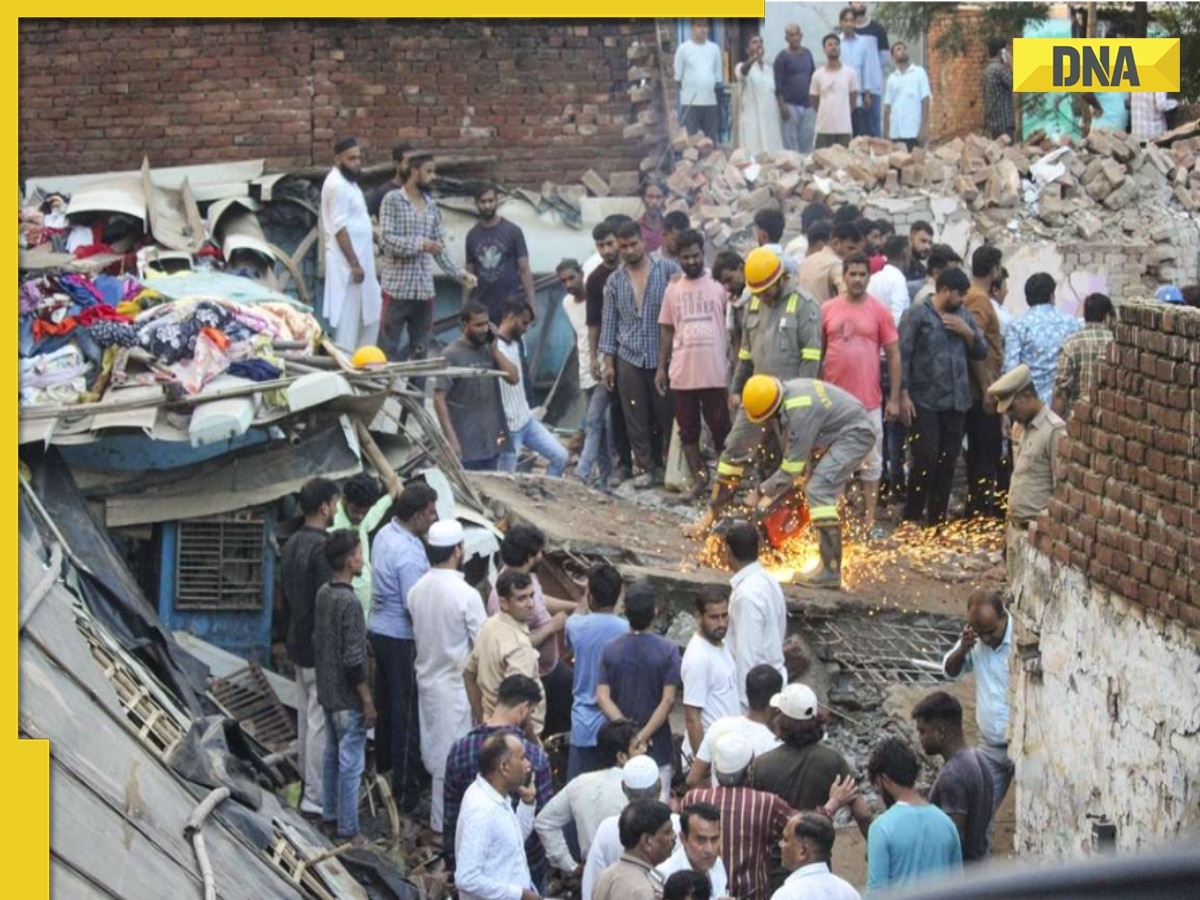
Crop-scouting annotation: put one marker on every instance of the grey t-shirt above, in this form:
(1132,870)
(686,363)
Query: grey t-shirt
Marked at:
(474,403)
(964,788)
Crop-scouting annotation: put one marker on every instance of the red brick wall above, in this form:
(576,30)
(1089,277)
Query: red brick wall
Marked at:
(955,78)
(547,98)
(1127,511)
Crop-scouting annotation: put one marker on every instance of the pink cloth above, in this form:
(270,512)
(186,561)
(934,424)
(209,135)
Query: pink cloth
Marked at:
(695,308)
(548,652)
(855,333)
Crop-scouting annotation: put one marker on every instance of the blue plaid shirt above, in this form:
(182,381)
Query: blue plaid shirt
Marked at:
(623,331)
(406,271)
(1036,339)
(462,765)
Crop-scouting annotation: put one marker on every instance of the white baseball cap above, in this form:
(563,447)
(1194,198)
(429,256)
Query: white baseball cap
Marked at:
(445,533)
(796,701)
(640,773)
(732,753)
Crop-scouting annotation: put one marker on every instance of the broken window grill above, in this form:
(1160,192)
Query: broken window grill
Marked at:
(249,699)
(220,563)
(883,650)
(157,727)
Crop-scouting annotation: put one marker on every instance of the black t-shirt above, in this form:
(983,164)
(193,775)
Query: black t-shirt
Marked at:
(595,294)
(802,778)
(964,788)
(376,199)
(493,254)
(877,31)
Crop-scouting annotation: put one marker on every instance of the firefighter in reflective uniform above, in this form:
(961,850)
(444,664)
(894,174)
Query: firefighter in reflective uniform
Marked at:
(781,337)
(813,415)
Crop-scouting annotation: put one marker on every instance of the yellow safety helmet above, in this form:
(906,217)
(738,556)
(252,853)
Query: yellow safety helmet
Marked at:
(761,397)
(368,356)
(763,269)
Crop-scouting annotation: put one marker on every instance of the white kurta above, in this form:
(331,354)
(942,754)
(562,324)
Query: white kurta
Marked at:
(352,310)
(447,614)
(759,126)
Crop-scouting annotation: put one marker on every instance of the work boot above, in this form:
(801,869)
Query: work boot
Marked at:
(697,470)
(829,575)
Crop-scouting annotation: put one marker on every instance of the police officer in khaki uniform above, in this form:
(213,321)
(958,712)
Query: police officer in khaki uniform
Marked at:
(813,415)
(781,337)
(1035,447)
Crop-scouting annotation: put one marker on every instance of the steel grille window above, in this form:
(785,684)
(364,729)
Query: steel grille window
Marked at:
(220,564)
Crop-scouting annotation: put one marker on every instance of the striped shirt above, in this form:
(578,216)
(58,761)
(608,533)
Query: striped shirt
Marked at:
(626,331)
(1081,355)
(751,825)
(406,272)
(512,396)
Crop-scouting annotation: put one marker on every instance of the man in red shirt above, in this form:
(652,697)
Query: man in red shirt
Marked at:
(855,330)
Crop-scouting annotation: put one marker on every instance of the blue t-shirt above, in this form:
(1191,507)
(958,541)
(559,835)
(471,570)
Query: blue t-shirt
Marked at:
(907,843)
(636,668)
(587,635)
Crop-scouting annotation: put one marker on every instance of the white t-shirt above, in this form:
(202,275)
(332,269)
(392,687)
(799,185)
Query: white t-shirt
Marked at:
(678,862)
(576,311)
(760,738)
(512,396)
(833,88)
(709,682)
(698,71)
(904,93)
(890,287)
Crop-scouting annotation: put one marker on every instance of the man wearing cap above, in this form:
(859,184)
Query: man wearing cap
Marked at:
(781,337)
(804,770)
(1036,338)
(751,821)
(806,849)
(639,781)
(410,239)
(352,302)
(1035,449)
(446,615)
(812,415)
(762,683)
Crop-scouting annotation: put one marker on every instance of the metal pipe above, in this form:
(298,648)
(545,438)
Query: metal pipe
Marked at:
(194,829)
(272,759)
(42,589)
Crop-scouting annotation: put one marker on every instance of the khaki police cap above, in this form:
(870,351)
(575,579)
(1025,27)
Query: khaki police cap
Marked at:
(1009,384)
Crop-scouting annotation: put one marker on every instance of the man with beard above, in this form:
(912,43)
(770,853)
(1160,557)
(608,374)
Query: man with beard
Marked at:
(866,27)
(834,95)
(913,839)
(937,341)
(352,300)
(469,409)
(446,617)
(920,242)
(396,183)
(497,257)
(729,270)
(304,569)
(860,53)
(574,307)
(524,429)
(629,342)
(410,239)
(710,682)
(606,442)
(692,350)
(654,197)
(906,101)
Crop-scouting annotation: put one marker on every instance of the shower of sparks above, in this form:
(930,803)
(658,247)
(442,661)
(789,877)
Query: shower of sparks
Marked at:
(955,551)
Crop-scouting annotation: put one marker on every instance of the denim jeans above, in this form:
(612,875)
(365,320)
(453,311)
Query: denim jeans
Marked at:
(537,437)
(599,446)
(345,755)
(875,116)
(482,465)
(800,128)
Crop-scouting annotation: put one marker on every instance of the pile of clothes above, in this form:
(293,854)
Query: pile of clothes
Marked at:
(80,336)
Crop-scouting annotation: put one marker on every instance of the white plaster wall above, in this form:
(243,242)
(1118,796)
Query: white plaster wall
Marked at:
(1111,726)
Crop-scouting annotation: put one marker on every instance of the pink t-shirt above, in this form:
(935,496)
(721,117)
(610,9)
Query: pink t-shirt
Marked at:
(695,308)
(855,333)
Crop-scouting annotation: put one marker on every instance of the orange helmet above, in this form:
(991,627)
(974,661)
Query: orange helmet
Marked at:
(761,397)
(763,269)
(368,356)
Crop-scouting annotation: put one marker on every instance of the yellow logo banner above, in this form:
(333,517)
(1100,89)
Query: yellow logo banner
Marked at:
(1068,65)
